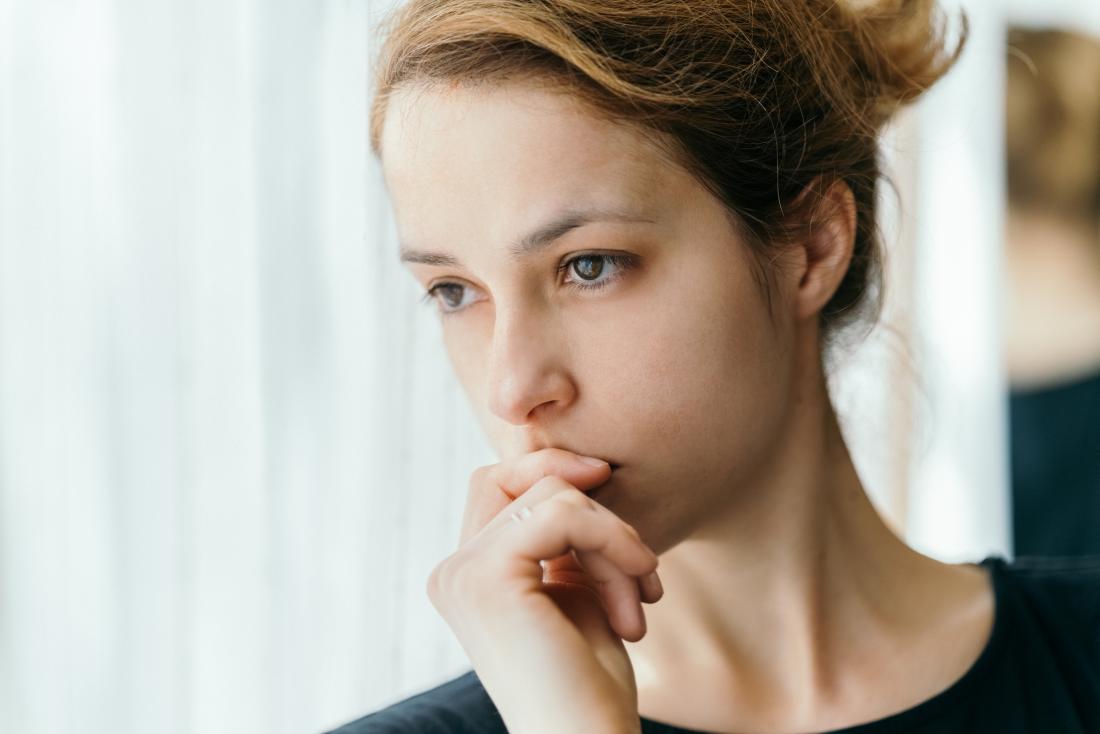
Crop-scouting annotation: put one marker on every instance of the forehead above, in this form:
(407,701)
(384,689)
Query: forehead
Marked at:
(514,149)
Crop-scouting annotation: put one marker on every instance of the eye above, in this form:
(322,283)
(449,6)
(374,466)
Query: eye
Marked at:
(447,304)
(590,268)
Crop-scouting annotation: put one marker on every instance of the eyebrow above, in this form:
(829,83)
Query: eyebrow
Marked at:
(535,241)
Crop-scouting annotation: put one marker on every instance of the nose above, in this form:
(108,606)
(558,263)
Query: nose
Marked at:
(527,373)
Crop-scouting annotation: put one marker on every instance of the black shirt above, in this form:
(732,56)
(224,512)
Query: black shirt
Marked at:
(1055,455)
(1039,672)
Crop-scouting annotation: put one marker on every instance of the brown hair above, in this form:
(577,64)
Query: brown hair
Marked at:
(760,99)
(1052,117)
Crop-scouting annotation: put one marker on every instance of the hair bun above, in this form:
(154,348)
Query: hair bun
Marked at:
(898,47)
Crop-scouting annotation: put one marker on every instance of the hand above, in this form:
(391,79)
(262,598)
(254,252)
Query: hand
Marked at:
(548,645)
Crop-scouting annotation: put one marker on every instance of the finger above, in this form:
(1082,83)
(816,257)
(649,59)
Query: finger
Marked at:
(515,477)
(650,589)
(620,595)
(571,521)
(566,568)
(496,486)
(484,500)
(539,492)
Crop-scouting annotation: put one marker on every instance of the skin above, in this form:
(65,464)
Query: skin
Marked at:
(788,601)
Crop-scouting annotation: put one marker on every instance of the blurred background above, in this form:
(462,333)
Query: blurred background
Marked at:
(232,449)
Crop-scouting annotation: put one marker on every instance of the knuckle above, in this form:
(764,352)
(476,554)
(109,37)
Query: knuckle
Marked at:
(485,482)
(459,579)
(452,577)
(576,500)
(559,509)
(436,580)
(481,476)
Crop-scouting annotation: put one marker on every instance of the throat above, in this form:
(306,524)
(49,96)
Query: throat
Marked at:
(859,682)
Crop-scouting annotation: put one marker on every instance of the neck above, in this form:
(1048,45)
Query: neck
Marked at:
(771,603)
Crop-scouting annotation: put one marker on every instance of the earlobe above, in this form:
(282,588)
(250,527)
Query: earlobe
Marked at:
(828,248)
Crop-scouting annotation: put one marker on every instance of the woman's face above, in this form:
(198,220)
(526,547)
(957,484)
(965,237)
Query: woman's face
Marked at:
(594,296)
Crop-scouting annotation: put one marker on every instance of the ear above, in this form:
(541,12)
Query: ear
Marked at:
(826,251)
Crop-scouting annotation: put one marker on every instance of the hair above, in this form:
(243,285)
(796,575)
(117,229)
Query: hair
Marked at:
(761,100)
(1052,123)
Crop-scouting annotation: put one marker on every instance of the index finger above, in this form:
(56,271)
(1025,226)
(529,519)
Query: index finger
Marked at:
(494,487)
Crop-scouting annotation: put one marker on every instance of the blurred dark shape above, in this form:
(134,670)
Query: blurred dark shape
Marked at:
(1052,123)
(1053,266)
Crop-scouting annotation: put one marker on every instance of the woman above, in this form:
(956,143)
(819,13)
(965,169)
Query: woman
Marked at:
(642,223)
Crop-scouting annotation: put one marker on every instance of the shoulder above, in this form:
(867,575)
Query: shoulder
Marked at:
(458,706)
(1062,594)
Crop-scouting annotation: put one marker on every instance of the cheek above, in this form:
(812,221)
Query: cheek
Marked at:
(468,342)
(467,350)
(701,366)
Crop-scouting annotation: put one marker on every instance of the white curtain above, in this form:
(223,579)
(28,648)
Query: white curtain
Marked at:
(231,447)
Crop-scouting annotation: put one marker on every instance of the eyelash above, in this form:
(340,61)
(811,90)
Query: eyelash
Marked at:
(622,264)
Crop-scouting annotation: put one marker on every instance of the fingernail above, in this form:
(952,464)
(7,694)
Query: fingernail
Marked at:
(592,461)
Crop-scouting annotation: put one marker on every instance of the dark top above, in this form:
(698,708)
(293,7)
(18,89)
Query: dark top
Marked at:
(1039,672)
(1055,455)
